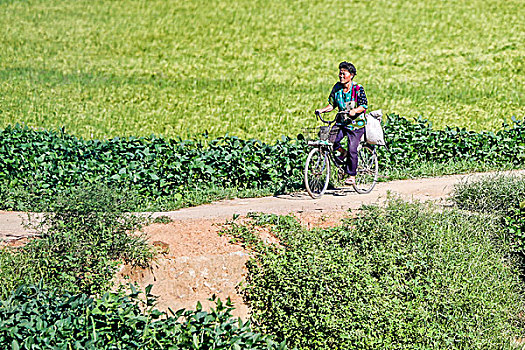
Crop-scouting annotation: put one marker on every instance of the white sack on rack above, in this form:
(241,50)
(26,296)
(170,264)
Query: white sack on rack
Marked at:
(374,131)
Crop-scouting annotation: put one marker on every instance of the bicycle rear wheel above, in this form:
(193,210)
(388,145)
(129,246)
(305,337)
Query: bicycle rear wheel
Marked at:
(367,169)
(317,172)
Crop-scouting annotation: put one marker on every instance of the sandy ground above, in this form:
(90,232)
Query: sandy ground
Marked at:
(194,262)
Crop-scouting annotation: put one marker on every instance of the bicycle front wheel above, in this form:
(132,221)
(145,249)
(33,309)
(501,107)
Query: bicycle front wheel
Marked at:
(367,169)
(317,172)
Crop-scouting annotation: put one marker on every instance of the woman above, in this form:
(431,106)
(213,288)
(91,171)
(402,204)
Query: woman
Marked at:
(351,97)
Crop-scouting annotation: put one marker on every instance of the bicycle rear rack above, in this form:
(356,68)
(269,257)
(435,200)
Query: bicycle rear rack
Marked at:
(318,143)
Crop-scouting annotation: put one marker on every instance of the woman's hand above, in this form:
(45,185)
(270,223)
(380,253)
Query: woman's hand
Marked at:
(355,111)
(326,109)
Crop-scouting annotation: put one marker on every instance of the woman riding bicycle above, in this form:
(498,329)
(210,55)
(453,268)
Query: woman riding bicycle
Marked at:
(350,97)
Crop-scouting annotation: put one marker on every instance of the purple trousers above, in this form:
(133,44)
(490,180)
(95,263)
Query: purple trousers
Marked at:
(354,136)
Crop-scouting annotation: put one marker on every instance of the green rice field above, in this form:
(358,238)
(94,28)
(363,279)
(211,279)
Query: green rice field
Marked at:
(253,68)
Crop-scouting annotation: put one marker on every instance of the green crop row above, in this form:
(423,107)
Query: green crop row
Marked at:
(46,162)
(50,162)
(410,144)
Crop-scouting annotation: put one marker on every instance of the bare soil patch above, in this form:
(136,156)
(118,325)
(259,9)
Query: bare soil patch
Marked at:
(195,262)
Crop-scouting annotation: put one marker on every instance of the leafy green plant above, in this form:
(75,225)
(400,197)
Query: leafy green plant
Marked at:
(515,222)
(410,144)
(162,219)
(38,165)
(48,163)
(407,276)
(34,317)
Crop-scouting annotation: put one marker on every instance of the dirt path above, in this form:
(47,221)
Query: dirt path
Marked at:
(195,262)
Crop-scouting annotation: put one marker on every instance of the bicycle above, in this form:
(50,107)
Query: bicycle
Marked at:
(317,168)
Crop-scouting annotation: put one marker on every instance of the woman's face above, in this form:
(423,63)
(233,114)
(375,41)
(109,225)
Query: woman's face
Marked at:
(345,76)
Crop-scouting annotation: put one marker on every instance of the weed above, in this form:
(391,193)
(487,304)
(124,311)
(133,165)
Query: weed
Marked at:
(502,196)
(490,194)
(81,243)
(162,219)
(401,276)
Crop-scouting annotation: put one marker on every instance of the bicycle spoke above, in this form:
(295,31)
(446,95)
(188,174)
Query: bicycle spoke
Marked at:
(367,170)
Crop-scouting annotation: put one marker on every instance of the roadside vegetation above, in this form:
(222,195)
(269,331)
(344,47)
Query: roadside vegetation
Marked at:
(402,276)
(502,196)
(81,241)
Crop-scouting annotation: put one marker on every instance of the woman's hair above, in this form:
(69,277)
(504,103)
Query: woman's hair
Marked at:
(348,66)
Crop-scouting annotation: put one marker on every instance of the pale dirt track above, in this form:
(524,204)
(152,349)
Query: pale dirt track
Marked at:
(196,262)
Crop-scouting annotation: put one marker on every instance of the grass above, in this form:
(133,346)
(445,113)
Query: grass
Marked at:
(254,68)
(503,197)
(434,169)
(201,196)
(26,199)
(493,194)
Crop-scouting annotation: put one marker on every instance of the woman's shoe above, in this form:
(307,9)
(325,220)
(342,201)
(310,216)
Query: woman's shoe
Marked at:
(350,181)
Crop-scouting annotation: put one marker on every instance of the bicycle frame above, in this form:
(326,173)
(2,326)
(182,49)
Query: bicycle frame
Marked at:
(322,155)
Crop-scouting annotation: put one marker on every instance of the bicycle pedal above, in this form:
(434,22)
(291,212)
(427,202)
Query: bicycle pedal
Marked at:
(340,193)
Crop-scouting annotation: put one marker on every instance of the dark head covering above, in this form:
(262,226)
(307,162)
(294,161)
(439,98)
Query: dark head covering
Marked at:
(348,66)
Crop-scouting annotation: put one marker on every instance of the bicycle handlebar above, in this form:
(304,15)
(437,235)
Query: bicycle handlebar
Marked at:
(318,115)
